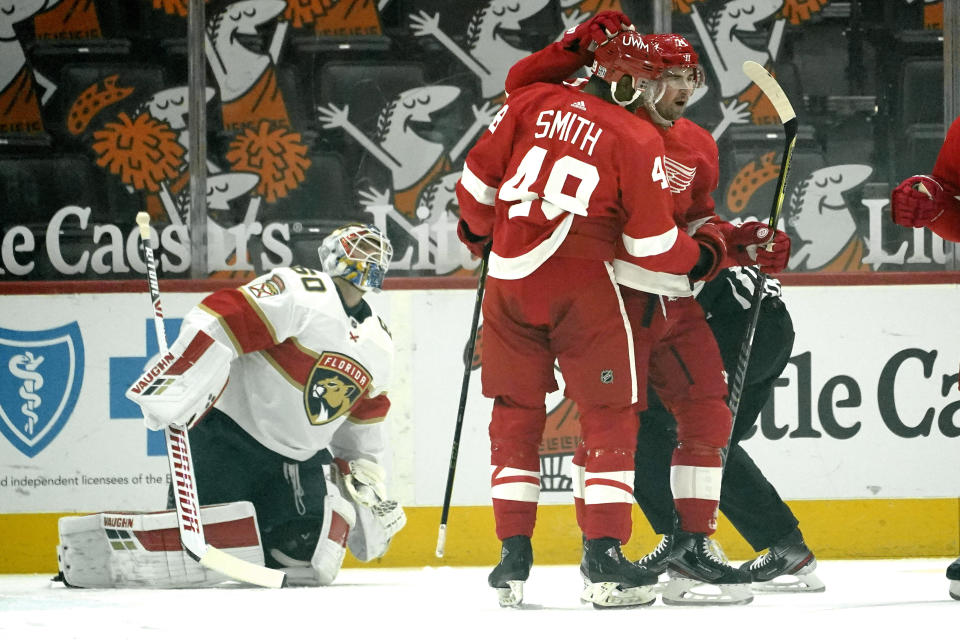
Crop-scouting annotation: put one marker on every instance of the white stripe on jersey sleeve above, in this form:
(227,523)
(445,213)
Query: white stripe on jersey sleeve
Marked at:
(651,245)
(481,192)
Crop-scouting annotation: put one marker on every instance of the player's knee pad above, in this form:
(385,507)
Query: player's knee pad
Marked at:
(706,421)
(339,517)
(311,552)
(127,550)
(516,428)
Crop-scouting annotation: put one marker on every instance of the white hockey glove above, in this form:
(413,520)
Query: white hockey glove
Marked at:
(390,515)
(362,480)
(182,383)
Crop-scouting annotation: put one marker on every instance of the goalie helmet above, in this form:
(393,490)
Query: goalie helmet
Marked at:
(358,253)
(627,54)
(676,52)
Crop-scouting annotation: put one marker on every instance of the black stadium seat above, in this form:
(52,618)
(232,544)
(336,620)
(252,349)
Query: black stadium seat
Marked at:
(922,143)
(143,80)
(33,189)
(921,92)
(747,144)
(365,88)
(326,193)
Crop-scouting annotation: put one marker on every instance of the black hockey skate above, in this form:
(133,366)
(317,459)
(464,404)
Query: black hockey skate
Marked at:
(787,566)
(698,576)
(516,558)
(656,561)
(610,580)
(953,575)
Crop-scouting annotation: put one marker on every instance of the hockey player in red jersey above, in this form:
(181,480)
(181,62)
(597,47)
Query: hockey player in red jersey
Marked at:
(685,367)
(933,201)
(304,365)
(561,179)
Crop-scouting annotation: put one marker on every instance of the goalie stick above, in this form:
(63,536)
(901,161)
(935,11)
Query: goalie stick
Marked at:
(442,533)
(770,88)
(181,466)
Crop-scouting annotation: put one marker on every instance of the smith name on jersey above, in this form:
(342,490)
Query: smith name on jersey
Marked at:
(308,374)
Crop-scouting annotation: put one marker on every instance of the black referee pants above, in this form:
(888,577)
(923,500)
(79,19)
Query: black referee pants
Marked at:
(747,498)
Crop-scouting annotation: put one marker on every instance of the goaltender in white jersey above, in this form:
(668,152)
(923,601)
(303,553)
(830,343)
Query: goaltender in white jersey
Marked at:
(302,367)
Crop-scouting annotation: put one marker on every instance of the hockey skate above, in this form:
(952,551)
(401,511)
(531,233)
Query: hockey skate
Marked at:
(516,558)
(788,566)
(612,581)
(953,575)
(656,561)
(699,577)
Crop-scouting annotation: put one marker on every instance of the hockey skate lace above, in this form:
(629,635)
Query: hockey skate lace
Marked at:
(761,561)
(713,551)
(660,549)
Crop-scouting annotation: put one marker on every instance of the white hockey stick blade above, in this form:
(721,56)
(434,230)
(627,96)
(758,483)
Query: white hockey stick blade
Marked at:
(771,88)
(241,570)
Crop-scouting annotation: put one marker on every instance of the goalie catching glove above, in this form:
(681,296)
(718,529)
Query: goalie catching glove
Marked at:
(919,200)
(363,481)
(183,383)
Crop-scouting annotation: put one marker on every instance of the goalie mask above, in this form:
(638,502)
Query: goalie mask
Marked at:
(628,54)
(358,253)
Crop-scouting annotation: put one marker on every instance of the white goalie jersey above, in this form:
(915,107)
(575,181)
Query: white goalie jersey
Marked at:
(306,375)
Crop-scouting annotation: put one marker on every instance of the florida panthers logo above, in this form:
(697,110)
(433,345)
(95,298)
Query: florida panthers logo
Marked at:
(335,384)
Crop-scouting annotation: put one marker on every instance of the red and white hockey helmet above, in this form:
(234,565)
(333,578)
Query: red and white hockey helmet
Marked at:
(358,253)
(676,52)
(627,54)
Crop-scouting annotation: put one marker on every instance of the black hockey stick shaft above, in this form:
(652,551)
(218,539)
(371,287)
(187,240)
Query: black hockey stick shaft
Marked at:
(746,346)
(464,387)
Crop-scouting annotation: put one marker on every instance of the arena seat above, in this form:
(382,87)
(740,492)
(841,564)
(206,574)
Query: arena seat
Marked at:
(364,88)
(142,81)
(326,193)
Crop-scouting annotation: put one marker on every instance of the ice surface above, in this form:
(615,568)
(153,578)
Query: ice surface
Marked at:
(868,599)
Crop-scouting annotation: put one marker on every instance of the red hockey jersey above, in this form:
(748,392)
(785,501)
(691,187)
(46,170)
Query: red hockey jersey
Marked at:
(947,169)
(562,172)
(691,162)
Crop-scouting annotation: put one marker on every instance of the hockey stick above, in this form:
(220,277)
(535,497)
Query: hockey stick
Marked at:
(770,88)
(181,465)
(442,534)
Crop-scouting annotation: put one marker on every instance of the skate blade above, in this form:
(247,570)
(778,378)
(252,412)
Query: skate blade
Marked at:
(511,595)
(955,589)
(800,583)
(662,581)
(609,595)
(687,592)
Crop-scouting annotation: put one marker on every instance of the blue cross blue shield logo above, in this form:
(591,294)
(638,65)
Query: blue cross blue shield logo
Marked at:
(41,373)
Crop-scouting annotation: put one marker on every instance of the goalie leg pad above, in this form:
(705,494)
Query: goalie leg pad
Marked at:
(130,550)
(339,517)
(320,564)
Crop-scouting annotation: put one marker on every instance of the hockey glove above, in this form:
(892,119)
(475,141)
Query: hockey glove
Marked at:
(363,480)
(750,244)
(590,34)
(183,383)
(713,252)
(390,515)
(476,244)
(918,201)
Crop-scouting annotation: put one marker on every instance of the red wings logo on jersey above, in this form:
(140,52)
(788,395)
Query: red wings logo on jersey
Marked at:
(335,384)
(680,176)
